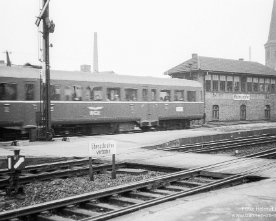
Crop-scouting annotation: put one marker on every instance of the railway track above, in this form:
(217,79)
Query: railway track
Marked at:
(120,200)
(222,145)
(66,169)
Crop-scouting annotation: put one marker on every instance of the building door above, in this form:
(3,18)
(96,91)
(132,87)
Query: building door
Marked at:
(215,112)
(267,112)
(243,112)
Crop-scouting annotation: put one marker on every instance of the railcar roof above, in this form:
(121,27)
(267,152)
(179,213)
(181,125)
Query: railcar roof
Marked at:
(26,72)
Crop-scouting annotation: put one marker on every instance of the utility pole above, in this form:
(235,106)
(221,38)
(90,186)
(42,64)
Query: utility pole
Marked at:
(48,27)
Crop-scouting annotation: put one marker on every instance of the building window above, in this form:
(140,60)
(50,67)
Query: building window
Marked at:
(243,84)
(131,94)
(222,80)
(215,82)
(191,96)
(255,84)
(113,94)
(165,95)
(261,85)
(179,95)
(272,85)
(29,91)
(8,91)
(55,92)
(243,112)
(77,93)
(208,82)
(145,94)
(236,84)
(249,84)
(267,112)
(97,94)
(267,85)
(229,83)
(215,112)
(153,95)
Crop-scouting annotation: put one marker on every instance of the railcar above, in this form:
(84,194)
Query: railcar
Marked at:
(96,103)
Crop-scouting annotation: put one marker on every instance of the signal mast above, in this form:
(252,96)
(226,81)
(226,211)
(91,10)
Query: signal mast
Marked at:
(48,27)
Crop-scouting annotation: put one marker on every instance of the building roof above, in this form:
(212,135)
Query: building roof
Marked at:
(221,65)
(272,30)
(104,77)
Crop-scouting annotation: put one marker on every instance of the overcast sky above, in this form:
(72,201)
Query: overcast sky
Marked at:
(137,37)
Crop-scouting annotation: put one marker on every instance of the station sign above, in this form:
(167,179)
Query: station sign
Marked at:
(102,148)
(241,97)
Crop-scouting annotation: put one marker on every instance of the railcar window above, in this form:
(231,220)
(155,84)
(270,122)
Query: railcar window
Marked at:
(179,95)
(191,95)
(113,94)
(97,94)
(145,94)
(68,92)
(29,91)
(77,93)
(153,95)
(88,94)
(131,94)
(8,91)
(55,92)
(165,95)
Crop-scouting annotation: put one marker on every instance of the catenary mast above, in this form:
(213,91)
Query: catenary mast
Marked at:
(48,27)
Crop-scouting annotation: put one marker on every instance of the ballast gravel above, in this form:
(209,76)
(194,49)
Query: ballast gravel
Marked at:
(44,191)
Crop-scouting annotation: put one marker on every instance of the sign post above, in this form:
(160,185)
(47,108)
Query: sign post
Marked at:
(15,164)
(102,148)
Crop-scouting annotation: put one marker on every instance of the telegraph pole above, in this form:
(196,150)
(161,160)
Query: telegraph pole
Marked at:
(48,27)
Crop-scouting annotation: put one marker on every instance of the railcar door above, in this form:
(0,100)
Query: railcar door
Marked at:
(149,113)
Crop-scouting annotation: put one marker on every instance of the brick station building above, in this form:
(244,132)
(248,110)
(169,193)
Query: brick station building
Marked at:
(233,89)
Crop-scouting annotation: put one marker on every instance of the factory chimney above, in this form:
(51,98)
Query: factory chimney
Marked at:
(95,58)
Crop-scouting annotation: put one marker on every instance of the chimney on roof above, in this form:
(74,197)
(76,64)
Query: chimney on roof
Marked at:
(196,57)
(241,59)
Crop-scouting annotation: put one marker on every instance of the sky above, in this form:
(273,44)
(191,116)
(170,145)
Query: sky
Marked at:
(136,37)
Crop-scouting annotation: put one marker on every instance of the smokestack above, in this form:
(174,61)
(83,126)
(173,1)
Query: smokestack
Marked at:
(95,59)
(8,59)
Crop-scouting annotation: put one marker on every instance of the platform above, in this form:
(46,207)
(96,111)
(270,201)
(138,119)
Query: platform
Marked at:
(252,201)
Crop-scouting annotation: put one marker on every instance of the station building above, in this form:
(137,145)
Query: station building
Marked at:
(235,89)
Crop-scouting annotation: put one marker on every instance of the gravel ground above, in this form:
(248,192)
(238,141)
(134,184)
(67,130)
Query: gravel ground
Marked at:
(39,192)
(247,150)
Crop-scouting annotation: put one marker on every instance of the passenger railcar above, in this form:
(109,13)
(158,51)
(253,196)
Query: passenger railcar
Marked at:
(92,103)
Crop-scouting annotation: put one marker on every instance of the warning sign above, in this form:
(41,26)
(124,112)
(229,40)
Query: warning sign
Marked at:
(102,148)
